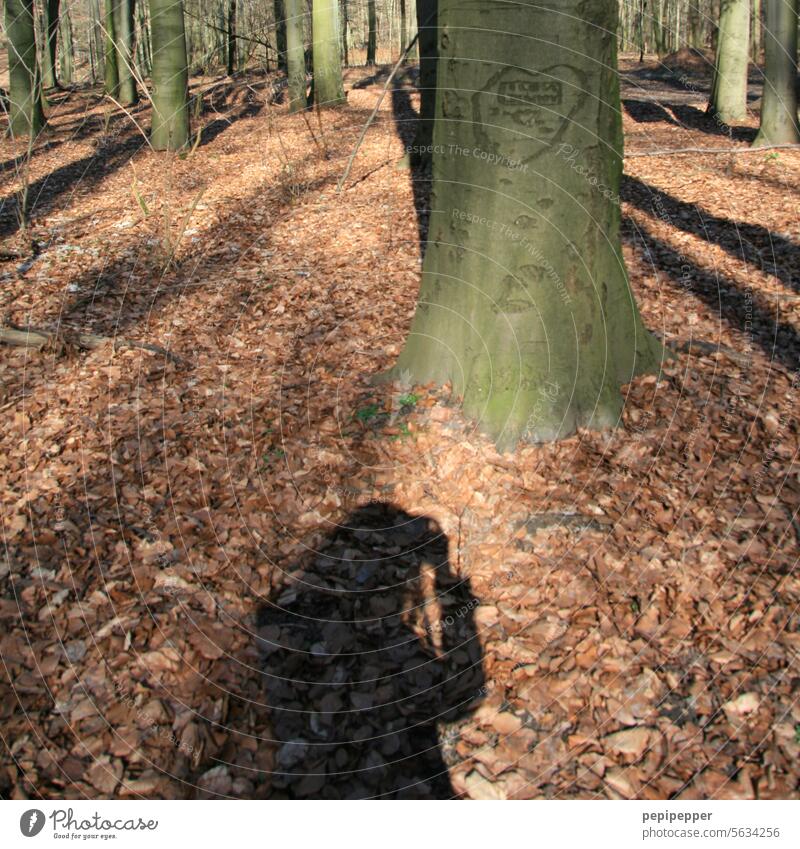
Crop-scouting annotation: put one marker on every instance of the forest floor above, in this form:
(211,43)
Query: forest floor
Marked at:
(633,593)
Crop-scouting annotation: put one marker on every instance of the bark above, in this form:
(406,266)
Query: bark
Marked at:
(280,33)
(729,91)
(111,70)
(231,53)
(427,29)
(372,35)
(779,99)
(170,130)
(50,10)
(328,88)
(295,57)
(66,53)
(123,40)
(24,98)
(403,26)
(524,306)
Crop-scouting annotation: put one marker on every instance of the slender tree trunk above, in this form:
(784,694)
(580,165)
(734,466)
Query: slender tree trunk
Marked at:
(97,35)
(372,35)
(295,58)
(403,26)
(50,14)
(755,33)
(345,37)
(24,98)
(729,91)
(111,63)
(123,38)
(66,53)
(779,99)
(280,33)
(428,52)
(231,55)
(328,88)
(525,308)
(170,130)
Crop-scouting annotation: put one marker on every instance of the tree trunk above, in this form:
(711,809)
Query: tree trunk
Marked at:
(66,53)
(729,91)
(524,306)
(123,39)
(328,88)
(755,33)
(403,27)
(280,33)
(428,51)
(24,97)
(295,58)
(372,35)
(231,55)
(111,74)
(50,10)
(779,99)
(170,129)
(345,28)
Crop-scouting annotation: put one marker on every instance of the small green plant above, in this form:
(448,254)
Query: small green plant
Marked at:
(366,414)
(409,400)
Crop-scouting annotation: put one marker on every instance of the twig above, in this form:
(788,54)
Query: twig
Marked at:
(732,150)
(689,346)
(371,118)
(33,337)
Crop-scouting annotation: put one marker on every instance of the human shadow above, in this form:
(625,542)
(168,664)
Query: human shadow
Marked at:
(368,648)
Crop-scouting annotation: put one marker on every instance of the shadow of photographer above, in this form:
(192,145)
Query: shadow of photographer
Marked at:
(368,650)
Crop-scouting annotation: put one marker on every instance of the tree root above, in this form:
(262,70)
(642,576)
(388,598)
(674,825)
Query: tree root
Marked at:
(33,337)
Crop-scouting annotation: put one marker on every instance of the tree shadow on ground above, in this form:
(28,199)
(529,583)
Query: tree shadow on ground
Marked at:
(747,312)
(367,648)
(647,111)
(406,119)
(766,250)
(698,119)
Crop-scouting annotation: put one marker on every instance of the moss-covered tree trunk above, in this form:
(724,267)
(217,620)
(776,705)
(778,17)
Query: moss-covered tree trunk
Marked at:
(328,88)
(170,130)
(123,40)
(525,307)
(372,32)
(295,57)
(110,70)
(779,99)
(50,15)
(729,90)
(66,51)
(428,51)
(24,97)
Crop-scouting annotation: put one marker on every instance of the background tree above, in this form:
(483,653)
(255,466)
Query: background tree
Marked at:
(170,128)
(729,90)
(427,28)
(24,98)
(123,41)
(328,87)
(779,99)
(111,74)
(295,55)
(280,33)
(525,307)
(372,32)
(50,19)
(231,54)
